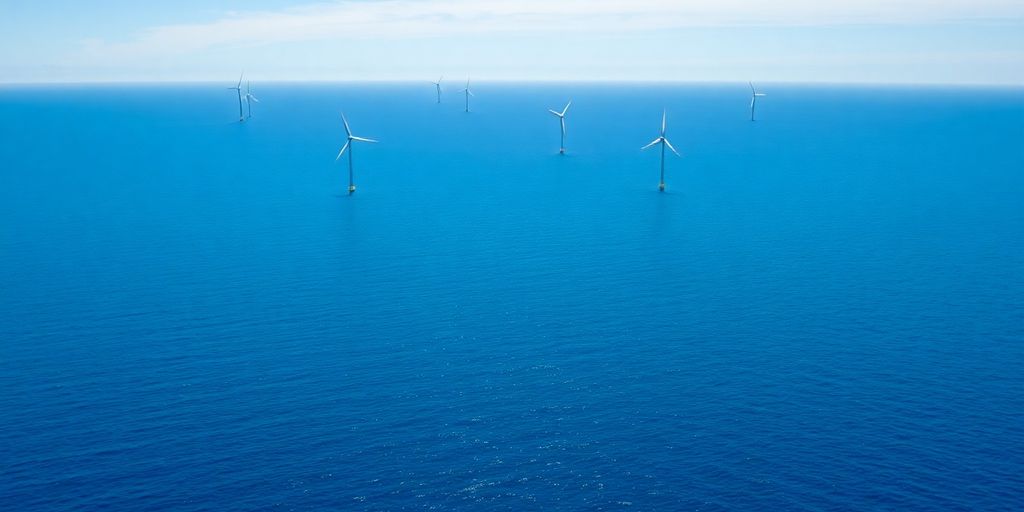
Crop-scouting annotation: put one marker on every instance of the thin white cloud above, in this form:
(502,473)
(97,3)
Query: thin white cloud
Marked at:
(403,19)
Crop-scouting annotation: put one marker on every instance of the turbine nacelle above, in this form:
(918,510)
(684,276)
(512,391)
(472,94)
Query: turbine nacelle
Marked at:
(350,138)
(661,138)
(248,92)
(239,86)
(564,110)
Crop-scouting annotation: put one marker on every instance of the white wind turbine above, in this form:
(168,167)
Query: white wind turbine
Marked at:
(561,121)
(468,94)
(664,142)
(249,98)
(437,84)
(754,95)
(238,89)
(351,138)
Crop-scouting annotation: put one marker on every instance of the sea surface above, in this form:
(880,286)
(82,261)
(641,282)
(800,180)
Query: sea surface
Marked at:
(824,311)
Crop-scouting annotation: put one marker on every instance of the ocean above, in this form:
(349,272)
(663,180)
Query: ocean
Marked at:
(823,311)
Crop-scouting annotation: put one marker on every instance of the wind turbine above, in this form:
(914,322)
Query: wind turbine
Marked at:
(437,84)
(664,142)
(468,94)
(238,89)
(561,121)
(754,95)
(249,98)
(351,138)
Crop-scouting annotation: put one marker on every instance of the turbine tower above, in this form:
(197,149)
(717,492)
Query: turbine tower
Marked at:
(437,84)
(238,89)
(249,98)
(664,142)
(468,94)
(351,138)
(561,121)
(754,95)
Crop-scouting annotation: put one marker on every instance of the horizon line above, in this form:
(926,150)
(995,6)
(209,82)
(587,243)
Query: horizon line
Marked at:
(634,81)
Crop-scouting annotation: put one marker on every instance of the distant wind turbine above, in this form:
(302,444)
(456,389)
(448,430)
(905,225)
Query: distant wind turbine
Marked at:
(249,98)
(664,142)
(561,121)
(437,84)
(754,95)
(351,138)
(238,89)
(468,94)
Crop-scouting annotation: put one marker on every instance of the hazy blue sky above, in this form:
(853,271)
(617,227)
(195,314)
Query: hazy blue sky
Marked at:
(944,41)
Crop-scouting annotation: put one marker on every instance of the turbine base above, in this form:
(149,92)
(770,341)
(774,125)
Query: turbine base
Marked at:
(661,187)
(351,189)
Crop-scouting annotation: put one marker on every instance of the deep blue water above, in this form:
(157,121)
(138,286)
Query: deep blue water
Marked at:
(824,312)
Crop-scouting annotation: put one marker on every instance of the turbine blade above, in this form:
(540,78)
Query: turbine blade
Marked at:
(669,144)
(760,95)
(555,113)
(566,109)
(342,152)
(363,139)
(663,113)
(752,87)
(653,142)
(348,131)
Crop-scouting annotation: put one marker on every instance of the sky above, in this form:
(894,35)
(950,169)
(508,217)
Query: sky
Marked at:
(845,41)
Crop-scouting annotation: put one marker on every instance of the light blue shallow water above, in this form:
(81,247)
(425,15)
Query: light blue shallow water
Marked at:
(824,312)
